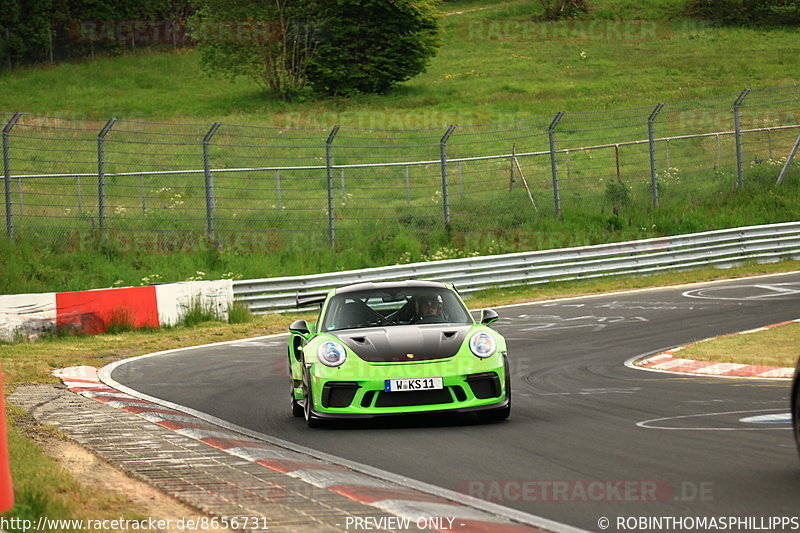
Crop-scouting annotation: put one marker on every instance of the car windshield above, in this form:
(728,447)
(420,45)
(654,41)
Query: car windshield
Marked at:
(394,307)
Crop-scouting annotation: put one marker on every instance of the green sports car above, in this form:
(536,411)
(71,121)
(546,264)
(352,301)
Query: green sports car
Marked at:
(396,348)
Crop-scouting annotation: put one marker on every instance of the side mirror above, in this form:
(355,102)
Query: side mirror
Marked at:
(488,316)
(300,327)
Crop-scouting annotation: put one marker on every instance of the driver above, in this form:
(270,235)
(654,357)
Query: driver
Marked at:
(429,306)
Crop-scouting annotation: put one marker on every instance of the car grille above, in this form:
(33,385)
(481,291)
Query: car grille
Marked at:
(485,385)
(338,393)
(411,398)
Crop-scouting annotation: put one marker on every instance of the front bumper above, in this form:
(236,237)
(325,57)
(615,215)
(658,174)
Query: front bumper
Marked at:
(474,385)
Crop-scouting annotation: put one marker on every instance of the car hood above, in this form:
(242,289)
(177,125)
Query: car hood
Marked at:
(405,343)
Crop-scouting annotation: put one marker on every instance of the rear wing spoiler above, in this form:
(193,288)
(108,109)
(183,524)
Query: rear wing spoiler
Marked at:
(310,298)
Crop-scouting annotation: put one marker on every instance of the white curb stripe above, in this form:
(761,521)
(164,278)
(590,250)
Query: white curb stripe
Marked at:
(329,478)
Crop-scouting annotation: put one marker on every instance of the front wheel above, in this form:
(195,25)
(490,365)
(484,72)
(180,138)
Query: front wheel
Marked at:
(308,401)
(297,409)
(495,415)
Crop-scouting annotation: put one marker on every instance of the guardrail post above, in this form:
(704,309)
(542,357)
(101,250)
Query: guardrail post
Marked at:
(789,159)
(652,142)
(551,134)
(101,176)
(738,127)
(7,172)
(443,155)
(210,202)
(329,166)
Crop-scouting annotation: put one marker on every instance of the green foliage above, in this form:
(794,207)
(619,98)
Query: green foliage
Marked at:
(199,312)
(369,46)
(561,9)
(747,12)
(337,47)
(617,193)
(270,42)
(239,313)
(34,31)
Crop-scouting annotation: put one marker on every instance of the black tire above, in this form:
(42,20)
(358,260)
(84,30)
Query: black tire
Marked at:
(311,420)
(297,409)
(495,415)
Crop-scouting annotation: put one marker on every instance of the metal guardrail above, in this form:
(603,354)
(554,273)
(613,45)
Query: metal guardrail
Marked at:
(722,248)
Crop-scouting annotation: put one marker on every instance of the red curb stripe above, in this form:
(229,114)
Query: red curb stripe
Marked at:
(369,495)
(479,526)
(692,366)
(106,399)
(170,424)
(780,324)
(226,444)
(286,465)
(73,380)
(750,370)
(137,410)
(660,361)
(90,389)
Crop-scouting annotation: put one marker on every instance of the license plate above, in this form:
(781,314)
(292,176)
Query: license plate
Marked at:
(410,384)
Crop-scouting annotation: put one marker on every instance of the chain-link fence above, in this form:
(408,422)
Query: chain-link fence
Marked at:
(168,186)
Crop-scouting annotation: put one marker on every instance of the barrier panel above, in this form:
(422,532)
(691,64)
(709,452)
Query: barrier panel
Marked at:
(6,491)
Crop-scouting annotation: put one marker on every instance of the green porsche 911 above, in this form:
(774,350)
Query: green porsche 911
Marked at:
(396,348)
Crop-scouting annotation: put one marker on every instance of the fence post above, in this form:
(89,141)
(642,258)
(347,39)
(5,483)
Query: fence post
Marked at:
(210,203)
(7,172)
(278,184)
(408,188)
(329,167)
(443,156)
(551,134)
(101,176)
(652,142)
(738,127)
(789,159)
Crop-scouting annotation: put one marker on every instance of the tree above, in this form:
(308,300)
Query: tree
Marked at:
(371,45)
(269,41)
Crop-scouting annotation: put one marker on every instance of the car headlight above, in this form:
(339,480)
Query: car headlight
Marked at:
(482,345)
(331,353)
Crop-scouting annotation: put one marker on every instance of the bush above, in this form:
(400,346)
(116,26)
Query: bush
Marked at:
(747,12)
(559,9)
(273,44)
(370,45)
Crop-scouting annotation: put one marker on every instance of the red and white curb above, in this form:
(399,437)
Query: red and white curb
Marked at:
(419,509)
(668,362)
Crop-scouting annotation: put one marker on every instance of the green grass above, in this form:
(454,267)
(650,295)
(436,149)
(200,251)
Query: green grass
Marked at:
(773,347)
(496,64)
(481,74)
(43,265)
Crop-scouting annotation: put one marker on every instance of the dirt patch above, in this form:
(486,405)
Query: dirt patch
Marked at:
(93,471)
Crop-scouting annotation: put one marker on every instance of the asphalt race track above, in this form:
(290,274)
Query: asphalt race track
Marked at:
(587,438)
